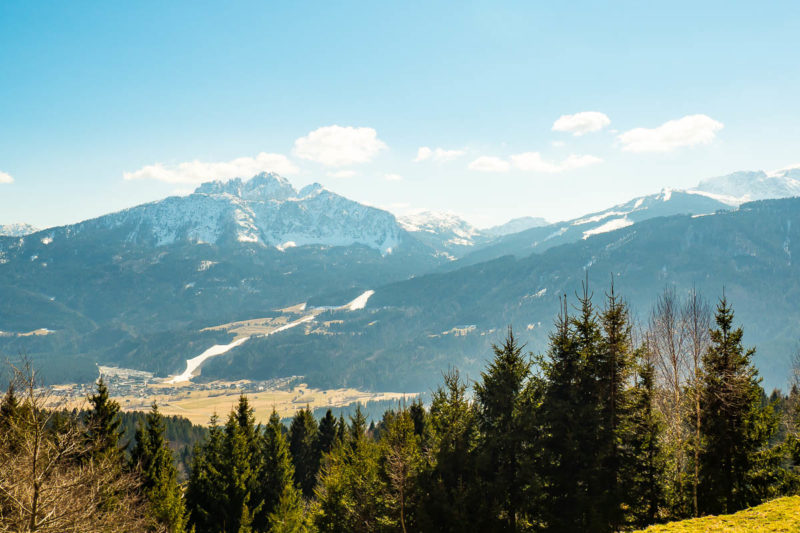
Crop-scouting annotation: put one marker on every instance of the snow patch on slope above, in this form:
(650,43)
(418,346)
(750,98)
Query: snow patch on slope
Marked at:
(611,225)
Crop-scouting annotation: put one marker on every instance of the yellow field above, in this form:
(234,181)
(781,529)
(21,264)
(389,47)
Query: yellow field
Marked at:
(781,515)
(199,404)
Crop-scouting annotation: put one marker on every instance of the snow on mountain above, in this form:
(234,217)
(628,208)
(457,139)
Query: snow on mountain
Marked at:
(446,233)
(17,230)
(516,225)
(746,186)
(266,210)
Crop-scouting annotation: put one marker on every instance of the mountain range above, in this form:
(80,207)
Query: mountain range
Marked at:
(154,285)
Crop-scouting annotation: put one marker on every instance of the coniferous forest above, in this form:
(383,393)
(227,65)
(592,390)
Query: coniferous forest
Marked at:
(618,425)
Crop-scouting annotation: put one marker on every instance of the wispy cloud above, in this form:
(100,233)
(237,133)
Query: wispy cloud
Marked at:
(437,154)
(392,177)
(691,130)
(582,123)
(337,146)
(533,162)
(6,178)
(199,171)
(489,164)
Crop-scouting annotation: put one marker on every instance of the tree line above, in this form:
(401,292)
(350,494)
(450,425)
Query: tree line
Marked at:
(615,427)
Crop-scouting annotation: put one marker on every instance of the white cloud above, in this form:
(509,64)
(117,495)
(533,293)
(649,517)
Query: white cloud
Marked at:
(337,146)
(392,177)
(533,161)
(690,130)
(581,123)
(439,154)
(200,171)
(342,174)
(489,164)
(6,178)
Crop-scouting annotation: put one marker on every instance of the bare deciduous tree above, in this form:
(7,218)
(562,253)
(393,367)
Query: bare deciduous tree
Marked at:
(697,321)
(49,481)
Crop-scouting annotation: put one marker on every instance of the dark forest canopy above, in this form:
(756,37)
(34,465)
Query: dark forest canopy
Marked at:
(614,428)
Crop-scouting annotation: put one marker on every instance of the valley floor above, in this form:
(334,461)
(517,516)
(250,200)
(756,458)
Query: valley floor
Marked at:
(198,402)
(778,515)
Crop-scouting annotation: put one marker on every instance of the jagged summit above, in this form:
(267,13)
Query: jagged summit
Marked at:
(264,186)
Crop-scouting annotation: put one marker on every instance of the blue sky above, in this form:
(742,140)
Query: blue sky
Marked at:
(93,92)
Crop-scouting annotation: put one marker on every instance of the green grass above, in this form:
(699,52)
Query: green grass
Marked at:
(782,514)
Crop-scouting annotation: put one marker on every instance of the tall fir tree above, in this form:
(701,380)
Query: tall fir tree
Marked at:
(402,462)
(277,478)
(206,491)
(451,480)
(562,416)
(499,399)
(735,426)
(104,427)
(304,450)
(645,467)
(153,459)
(613,369)
(326,434)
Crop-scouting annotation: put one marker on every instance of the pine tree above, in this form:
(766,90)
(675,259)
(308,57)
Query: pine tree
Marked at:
(735,426)
(104,425)
(613,367)
(358,425)
(241,468)
(207,489)
(451,482)
(278,473)
(304,450)
(563,414)
(153,459)
(499,399)
(326,435)
(290,514)
(645,468)
(401,461)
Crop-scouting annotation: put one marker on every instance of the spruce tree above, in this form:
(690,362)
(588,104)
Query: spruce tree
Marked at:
(402,463)
(104,425)
(645,467)
(277,476)
(562,416)
(206,493)
(326,435)
(153,459)
(613,369)
(451,482)
(241,468)
(499,398)
(304,451)
(735,427)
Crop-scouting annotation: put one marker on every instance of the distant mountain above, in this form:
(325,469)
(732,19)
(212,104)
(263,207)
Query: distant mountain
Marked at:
(411,330)
(746,186)
(149,276)
(17,230)
(536,240)
(516,225)
(154,285)
(446,233)
(264,210)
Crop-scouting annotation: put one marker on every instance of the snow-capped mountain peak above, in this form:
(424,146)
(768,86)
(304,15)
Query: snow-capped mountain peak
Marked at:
(17,230)
(745,186)
(265,210)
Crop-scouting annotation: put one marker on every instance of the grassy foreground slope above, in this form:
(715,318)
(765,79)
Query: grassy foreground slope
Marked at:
(782,514)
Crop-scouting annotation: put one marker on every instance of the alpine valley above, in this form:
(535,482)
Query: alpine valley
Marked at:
(310,283)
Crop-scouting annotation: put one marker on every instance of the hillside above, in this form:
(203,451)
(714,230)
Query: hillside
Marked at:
(781,515)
